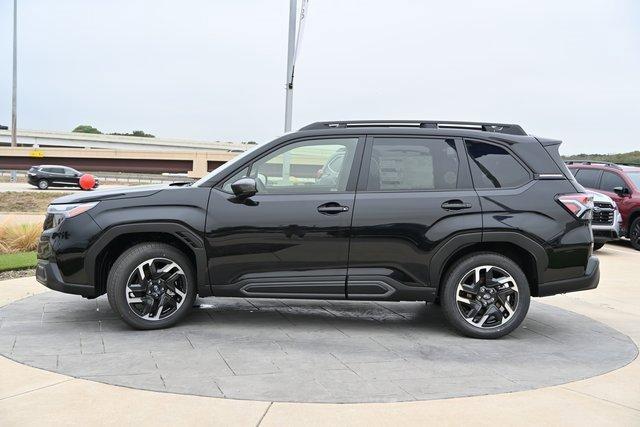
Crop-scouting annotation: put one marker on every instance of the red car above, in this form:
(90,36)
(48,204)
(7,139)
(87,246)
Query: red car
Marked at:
(621,183)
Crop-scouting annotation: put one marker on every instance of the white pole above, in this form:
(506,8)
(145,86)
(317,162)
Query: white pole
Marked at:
(293,5)
(288,106)
(15,82)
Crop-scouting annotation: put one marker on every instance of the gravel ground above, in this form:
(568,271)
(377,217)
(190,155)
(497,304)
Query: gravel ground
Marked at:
(14,274)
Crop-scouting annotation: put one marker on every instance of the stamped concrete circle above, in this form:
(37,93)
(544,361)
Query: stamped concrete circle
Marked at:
(307,351)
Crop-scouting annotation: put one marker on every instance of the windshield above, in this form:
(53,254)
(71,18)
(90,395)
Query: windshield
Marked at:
(227,166)
(635,177)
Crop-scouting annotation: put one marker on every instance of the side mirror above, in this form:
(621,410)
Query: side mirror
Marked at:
(244,188)
(621,191)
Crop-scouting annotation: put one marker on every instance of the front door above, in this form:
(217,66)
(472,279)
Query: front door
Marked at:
(292,237)
(414,194)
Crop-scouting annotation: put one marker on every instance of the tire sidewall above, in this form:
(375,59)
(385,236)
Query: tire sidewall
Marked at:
(634,242)
(125,265)
(456,273)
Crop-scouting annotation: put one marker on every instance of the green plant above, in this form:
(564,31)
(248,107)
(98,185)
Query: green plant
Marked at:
(86,129)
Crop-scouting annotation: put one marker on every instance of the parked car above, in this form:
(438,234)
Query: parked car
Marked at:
(621,183)
(605,221)
(477,217)
(46,176)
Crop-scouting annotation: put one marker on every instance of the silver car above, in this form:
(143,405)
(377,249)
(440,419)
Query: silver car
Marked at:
(606,220)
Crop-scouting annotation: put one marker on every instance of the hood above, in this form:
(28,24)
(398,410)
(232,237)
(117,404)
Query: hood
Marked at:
(599,197)
(115,193)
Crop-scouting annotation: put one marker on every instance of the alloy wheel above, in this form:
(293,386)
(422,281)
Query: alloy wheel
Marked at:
(634,236)
(156,289)
(487,297)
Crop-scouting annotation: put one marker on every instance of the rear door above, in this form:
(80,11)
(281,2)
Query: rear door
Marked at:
(414,194)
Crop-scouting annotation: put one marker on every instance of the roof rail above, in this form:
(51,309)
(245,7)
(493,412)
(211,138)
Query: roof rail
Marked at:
(589,162)
(510,129)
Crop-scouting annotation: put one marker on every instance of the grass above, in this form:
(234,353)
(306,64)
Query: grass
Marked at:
(19,237)
(17,261)
(27,201)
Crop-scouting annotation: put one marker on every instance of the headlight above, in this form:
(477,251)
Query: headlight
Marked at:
(61,212)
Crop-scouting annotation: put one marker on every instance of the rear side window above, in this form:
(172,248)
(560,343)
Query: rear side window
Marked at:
(493,167)
(588,177)
(610,181)
(405,164)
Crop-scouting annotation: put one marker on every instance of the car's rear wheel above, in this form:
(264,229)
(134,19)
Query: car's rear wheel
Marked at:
(485,295)
(597,246)
(151,286)
(43,184)
(634,234)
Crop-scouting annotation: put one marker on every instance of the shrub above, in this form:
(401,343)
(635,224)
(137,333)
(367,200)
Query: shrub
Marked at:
(19,237)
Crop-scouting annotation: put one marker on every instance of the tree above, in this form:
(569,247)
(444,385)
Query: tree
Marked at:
(86,129)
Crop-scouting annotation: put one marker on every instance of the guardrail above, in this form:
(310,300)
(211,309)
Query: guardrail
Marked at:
(114,178)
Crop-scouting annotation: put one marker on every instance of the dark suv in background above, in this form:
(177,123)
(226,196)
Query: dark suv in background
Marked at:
(621,183)
(46,176)
(477,217)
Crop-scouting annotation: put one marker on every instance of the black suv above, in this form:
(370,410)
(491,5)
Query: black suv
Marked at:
(477,217)
(46,176)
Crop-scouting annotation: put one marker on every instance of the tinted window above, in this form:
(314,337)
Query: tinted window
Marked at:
(610,181)
(320,165)
(635,177)
(412,164)
(494,167)
(588,177)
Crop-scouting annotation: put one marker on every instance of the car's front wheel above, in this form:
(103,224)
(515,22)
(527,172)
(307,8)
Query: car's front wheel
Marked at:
(634,234)
(43,184)
(485,295)
(151,286)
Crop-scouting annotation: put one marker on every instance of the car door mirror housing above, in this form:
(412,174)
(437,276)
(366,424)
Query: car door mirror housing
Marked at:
(244,187)
(621,191)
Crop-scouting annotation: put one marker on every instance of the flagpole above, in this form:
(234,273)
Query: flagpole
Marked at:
(288,108)
(15,83)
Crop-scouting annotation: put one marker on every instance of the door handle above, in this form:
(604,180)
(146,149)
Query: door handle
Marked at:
(455,205)
(332,208)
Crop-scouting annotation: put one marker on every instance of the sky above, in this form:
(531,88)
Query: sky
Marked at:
(215,70)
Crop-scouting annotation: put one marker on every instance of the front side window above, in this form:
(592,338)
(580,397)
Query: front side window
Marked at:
(406,164)
(493,167)
(314,166)
(588,177)
(610,181)
(635,177)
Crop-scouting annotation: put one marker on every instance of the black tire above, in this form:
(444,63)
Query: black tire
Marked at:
(597,246)
(462,269)
(634,234)
(43,184)
(124,267)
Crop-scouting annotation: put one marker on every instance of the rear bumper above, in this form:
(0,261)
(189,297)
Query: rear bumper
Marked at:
(49,275)
(588,281)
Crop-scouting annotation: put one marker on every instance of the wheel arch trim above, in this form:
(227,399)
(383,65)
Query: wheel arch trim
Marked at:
(461,241)
(180,231)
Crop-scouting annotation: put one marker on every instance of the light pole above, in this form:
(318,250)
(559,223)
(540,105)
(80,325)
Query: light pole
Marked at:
(15,83)
(288,107)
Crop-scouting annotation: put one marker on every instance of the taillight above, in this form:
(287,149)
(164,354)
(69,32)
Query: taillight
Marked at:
(579,204)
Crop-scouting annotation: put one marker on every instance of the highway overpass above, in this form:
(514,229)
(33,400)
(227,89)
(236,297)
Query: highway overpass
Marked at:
(114,153)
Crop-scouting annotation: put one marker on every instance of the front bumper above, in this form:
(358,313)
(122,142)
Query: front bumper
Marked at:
(603,235)
(48,274)
(588,281)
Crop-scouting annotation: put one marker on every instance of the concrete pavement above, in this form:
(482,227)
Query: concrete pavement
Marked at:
(30,396)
